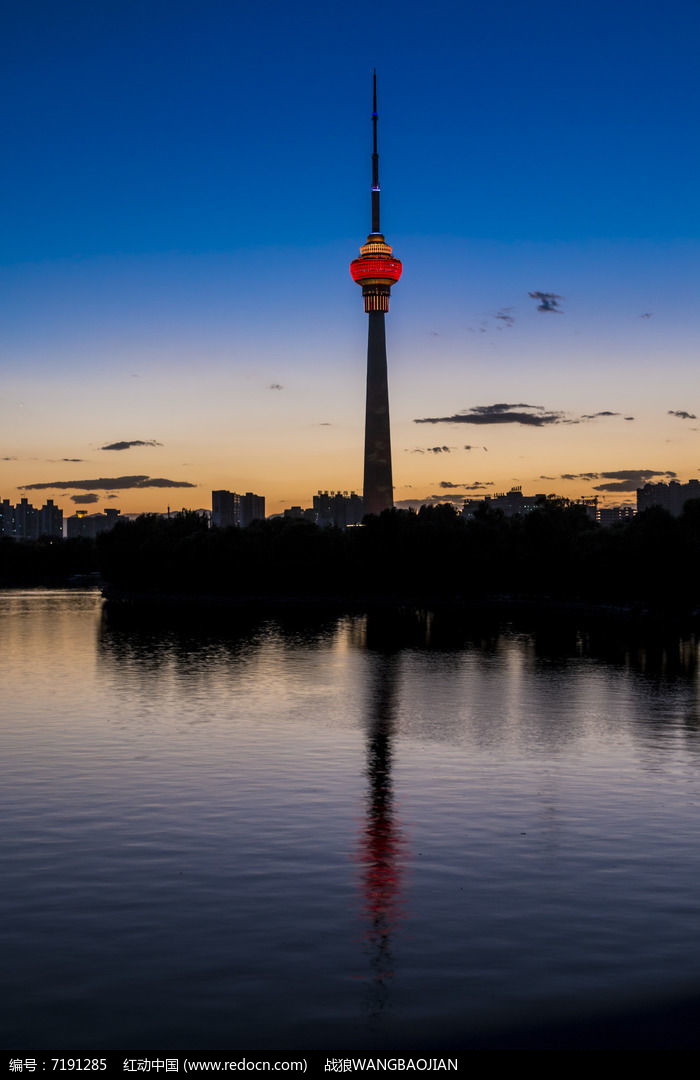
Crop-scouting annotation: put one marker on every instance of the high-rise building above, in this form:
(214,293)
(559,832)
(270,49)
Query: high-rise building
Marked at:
(229,508)
(338,508)
(225,509)
(672,496)
(51,520)
(252,508)
(376,270)
(611,515)
(7,518)
(26,520)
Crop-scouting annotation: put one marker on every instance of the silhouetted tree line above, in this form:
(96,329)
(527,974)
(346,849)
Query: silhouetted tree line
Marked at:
(555,552)
(46,561)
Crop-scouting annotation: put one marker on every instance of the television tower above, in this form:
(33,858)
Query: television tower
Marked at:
(376,270)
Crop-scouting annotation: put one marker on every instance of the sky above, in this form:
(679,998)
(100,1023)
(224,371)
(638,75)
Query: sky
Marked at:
(186,183)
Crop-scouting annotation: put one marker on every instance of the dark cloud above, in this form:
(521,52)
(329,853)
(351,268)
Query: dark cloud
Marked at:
(108,483)
(548,301)
(8,459)
(682,414)
(507,413)
(505,317)
(577,476)
(74,459)
(541,477)
(162,482)
(432,450)
(275,386)
(476,486)
(500,413)
(646,315)
(630,479)
(85,498)
(126,444)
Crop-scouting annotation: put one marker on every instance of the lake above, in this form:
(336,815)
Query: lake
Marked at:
(329,833)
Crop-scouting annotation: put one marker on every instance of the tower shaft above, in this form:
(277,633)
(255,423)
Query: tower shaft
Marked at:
(378,490)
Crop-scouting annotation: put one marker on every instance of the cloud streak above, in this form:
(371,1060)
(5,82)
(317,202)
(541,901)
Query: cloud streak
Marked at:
(432,450)
(477,485)
(682,414)
(514,413)
(617,479)
(107,483)
(126,444)
(630,479)
(499,413)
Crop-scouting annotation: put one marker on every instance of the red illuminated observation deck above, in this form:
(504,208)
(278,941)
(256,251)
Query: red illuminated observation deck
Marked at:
(376,270)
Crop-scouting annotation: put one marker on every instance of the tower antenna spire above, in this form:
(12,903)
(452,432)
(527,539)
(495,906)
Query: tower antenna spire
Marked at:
(375,159)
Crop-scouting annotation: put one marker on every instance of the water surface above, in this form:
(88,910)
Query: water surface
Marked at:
(315,835)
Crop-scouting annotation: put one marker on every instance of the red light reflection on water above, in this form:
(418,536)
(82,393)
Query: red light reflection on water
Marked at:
(382,847)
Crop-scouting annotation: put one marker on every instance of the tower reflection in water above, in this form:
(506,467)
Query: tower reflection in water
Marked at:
(382,848)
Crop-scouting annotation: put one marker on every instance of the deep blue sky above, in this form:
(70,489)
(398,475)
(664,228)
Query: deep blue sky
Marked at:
(151,126)
(185,184)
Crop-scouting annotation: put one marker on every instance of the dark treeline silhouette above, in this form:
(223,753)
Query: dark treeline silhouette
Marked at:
(555,553)
(46,561)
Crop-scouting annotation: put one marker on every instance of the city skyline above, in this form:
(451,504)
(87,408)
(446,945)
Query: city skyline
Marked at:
(184,193)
